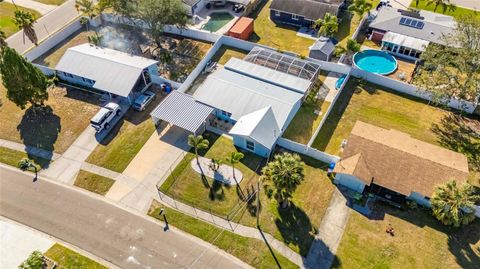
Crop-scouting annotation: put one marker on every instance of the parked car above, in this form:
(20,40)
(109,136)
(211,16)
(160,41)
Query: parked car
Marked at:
(238,8)
(104,117)
(143,100)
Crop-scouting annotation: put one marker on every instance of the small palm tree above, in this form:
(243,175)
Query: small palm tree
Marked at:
(444,3)
(359,7)
(328,25)
(454,205)
(86,7)
(287,172)
(197,143)
(233,159)
(25,20)
(353,46)
(84,21)
(26,163)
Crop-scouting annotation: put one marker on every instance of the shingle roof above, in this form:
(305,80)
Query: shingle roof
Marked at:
(324,44)
(399,162)
(312,10)
(183,111)
(435,25)
(113,71)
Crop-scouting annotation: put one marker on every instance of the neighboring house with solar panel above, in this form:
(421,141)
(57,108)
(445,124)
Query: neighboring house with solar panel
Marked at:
(252,99)
(407,33)
(106,71)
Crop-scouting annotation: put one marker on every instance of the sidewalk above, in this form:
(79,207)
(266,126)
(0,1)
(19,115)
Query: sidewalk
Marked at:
(322,252)
(45,26)
(29,150)
(37,6)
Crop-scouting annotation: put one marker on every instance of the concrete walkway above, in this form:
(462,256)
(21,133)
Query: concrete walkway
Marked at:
(29,150)
(322,252)
(37,6)
(45,26)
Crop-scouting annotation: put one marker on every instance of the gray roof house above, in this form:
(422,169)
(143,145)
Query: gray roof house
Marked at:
(322,49)
(302,12)
(407,33)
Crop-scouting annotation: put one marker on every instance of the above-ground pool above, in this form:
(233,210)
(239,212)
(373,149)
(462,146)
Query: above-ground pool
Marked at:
(340,81)
(375,61)
(217,20)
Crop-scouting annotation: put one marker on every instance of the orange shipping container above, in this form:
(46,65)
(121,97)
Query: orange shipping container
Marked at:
(242,29)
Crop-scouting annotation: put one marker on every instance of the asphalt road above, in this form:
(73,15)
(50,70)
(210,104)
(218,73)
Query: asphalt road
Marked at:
(123,238)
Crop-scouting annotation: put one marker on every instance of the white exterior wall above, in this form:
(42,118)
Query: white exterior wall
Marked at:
(350,182)
(241,142)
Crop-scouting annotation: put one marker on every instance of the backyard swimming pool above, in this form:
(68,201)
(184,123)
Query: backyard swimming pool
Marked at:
(217,21)
(375,61)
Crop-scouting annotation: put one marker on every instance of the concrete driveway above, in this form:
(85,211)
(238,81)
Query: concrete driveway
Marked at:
(37,6)
(472,4)
(402,4)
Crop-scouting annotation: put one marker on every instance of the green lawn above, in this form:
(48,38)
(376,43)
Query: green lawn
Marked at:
(12,157)
(51,2)
(456,12)
(93,182)
(295,226)
(224,54)
(306,120)
(69,259)
(252,251)
(127,138)
(420,241)
(349,23)
(390,110)
(281,37)
(6,14)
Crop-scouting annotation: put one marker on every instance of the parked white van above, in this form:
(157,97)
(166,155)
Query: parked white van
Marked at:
(102,119)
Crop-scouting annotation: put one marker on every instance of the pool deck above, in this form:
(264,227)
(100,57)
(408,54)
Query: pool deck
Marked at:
(404,71)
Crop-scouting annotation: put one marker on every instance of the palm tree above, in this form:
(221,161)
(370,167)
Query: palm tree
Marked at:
(25,20)
(360,7)
(26,163)
(84,21)
(86,7)
(197,142)
(454,205)
(444,3)
(353,46)
(287,172)
(328,25)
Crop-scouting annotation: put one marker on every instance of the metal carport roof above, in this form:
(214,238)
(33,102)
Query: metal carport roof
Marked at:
(182,110)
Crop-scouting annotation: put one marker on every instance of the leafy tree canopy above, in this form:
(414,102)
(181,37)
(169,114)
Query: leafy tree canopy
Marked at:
(34,261)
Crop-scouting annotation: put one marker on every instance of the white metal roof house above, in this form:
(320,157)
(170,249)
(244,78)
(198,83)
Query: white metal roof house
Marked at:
(259,96)
(105,70)
(408,33)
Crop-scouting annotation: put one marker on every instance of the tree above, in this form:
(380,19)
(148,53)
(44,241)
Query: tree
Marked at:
(34,261)
(25,20)
(286,172)
(197,143)
(444,3)
(87,8)
(25,164)
(233,159)
(3,43)
(25,83)
(328,25)
(359,7)
(453,71)
(454,205)
(352,47)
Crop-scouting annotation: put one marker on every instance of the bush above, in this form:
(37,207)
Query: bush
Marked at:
(34,261)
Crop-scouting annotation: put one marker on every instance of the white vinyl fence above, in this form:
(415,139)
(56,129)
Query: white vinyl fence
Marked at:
(306,150)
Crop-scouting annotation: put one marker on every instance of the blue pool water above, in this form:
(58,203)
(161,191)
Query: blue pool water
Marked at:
(340,81)
(375,61)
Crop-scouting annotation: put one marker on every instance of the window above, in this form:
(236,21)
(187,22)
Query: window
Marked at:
(411,23)
(294,17)
(250,145)
(277,13)
(226,114)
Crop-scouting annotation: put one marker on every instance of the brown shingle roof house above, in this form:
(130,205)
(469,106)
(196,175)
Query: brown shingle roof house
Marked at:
(394,163)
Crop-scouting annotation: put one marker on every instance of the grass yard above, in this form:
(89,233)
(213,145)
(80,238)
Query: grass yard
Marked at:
(349,23)
(12,157)
(69,259)
(306,120)
(55,127)
(456,12)
(224,54)
(51,2)
(93,182)
(126,139)
(295,226)
(281,37)
(6,14)
(52,57)
(382,107)
(420,241)
(252,251)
